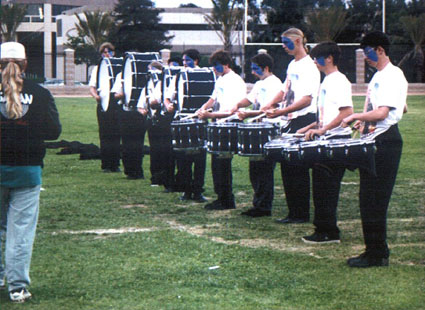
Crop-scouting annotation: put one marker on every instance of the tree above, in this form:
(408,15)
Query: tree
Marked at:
(11,16)
(327,23)
(414,27)
(225,19)
(138,27)
(93,29)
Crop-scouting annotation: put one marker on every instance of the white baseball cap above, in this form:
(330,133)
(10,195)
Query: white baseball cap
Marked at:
(12,50)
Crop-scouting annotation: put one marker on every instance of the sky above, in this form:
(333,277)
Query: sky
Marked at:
(176,3)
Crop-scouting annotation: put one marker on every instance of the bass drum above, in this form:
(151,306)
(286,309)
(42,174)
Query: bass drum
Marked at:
(194,88)
(108,69)
(135,75)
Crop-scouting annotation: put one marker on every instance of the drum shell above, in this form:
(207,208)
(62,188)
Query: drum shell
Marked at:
(313,152)
(274,148)
(291,154)
(361,154)
(135,75)
(188,135)
(222,138)
(252,138)
(194,88)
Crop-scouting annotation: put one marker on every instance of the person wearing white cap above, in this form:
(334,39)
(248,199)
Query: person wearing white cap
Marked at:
(28,116)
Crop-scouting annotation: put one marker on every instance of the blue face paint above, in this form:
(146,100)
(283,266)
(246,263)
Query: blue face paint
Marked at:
(174,64)
(320,61)
(370,53)
(218,67)
(257,69)
(288,43)
(188,61)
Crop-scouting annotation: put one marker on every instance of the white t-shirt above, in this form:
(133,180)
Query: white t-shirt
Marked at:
(93,77)
(265,90)
(302,79)
(388,88)
(335,93)
(229,89)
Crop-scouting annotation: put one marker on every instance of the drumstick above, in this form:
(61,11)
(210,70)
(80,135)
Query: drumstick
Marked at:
(229,118)
(193,115)
(257,117)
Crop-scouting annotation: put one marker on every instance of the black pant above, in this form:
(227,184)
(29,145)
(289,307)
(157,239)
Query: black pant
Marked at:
(262,181)
(133,129)
(296,179)
(109,136)
(188,181)
(376,190)
(161,153)
(222,179)
(326,187)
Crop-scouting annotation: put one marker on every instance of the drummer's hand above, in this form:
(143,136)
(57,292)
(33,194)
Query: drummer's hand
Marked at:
(142,111)
(169,108)
(202,114)
(313,133)
(348,120)
(271,113)
(242,115)
(119,95)
(234,109)
(97,97)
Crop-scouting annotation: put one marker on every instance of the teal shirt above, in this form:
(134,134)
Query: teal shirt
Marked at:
(20,176)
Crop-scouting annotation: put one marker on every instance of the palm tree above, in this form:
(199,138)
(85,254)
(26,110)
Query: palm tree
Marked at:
(226,17)
(414,27)
(94,27)
(93,30)
(327,23)
(11,16)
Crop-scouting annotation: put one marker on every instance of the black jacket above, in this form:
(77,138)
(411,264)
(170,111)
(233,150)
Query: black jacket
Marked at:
(22,140)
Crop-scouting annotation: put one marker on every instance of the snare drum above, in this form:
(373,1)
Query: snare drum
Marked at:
(194,88)
(222,138)
(253,136)
(291,153)
(353,153)
(274,148)
(135,75)
(107,71)
(188,135)
(313,152)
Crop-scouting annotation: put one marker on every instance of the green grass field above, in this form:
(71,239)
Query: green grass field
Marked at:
(161,252)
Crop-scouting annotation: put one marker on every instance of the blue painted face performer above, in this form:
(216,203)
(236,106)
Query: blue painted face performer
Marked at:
(297,110)
(384,106)
(28,117)
(229,89)
(260,171)
(108,120)
(334,104)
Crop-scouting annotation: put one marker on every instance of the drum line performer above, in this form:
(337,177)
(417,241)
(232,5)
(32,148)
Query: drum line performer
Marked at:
(261,171)
(229,89)
(28,117)
(191,182)
(159,133)
(132,127)
(298,95)
(384,107)
(109,134)
(334,104)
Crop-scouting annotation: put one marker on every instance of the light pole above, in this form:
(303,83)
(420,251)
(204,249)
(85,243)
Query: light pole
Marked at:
(383,16)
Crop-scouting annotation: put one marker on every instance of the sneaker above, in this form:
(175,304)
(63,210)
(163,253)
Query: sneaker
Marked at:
(19,295)
(216,205)
(321,238)
(366,260)
(199,198)
(185,197)
(255,212)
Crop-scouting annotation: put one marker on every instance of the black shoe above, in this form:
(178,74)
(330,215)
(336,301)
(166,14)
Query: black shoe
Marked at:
(199,198)
(115,170)
(366,260)
(288,220)
(185,197)
(255,212)
(321,238)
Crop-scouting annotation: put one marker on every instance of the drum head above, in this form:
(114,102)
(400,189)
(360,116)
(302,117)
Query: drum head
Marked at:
(128,79)
(108,70)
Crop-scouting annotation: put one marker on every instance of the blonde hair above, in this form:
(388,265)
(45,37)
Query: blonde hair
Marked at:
(296,33)
(12,83)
